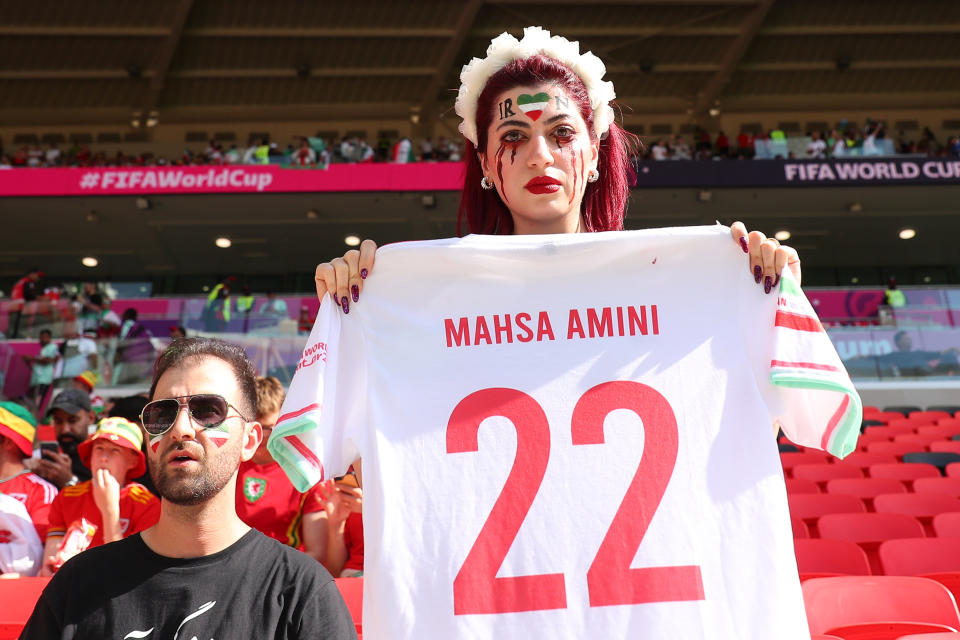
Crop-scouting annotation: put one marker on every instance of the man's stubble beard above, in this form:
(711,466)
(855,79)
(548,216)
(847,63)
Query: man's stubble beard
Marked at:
(193,489)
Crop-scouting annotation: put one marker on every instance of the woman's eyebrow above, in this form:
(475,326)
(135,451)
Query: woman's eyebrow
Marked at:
(557,117)
(514,123)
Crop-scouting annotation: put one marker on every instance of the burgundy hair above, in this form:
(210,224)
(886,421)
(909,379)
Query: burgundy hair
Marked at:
(605,201)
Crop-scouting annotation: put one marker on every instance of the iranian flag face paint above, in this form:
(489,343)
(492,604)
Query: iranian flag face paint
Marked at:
(218,435)
(533,105)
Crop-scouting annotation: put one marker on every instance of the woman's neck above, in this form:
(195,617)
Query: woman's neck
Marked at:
(569,224)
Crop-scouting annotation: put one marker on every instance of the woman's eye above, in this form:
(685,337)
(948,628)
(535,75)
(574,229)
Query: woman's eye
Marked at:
(512,136)
(564,132)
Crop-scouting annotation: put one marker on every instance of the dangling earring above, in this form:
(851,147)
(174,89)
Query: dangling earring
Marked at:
(593,175)
(485,183)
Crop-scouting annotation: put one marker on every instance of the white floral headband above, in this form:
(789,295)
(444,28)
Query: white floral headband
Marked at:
(505,48)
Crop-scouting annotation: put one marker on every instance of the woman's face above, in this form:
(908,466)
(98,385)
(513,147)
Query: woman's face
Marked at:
(538,156)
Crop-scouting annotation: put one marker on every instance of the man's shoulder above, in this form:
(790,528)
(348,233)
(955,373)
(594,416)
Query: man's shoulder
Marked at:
(287,559)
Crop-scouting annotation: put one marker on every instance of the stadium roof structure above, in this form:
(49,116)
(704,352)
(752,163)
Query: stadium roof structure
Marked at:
(74,63)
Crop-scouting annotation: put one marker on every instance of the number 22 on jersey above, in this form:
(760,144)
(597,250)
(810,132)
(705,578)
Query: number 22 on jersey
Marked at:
(610,579)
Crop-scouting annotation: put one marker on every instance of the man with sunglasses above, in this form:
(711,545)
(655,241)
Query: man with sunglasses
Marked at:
(200,571)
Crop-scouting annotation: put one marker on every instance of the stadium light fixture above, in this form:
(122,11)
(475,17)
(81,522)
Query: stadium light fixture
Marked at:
(352,241)
(783,235)
(907,233)
(714,112)
(89,261)
(223,242)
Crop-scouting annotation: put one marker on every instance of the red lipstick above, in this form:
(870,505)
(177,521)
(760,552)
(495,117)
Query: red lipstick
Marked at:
(543,184)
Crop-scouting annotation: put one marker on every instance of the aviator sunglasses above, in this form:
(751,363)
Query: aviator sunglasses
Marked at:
(207,410)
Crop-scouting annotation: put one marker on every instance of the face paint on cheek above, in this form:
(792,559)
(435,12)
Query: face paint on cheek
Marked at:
(155,443)
(500,170)
(218,435)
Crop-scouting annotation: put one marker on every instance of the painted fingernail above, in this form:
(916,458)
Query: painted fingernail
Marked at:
(345,304)
(355,293)
(767,284)
(743,245)
(756,273)
(363,274)
(777,281)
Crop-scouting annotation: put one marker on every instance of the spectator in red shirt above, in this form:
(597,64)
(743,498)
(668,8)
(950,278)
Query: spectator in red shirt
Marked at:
(745,144)
(17,429)
(723,145)
(116,506)
(265,498)
(23,296)
(344,554)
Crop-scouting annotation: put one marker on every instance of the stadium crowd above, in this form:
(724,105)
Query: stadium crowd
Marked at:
(317,152)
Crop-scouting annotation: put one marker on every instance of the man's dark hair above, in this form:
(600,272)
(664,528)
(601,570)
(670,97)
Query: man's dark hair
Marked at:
(128,407)
(898,335)
(186,348)
(130,314)
(46,331)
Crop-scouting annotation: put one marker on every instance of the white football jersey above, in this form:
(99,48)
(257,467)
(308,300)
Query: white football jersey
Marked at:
(570,436)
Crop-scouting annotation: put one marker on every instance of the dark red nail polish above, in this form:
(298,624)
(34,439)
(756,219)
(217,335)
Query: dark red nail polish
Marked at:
(743,245)
(345,304)
(363,274)
(777,280)
(767,284)
(756,273)
(355,293)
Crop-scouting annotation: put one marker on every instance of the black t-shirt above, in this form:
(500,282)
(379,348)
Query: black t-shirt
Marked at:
(256,588)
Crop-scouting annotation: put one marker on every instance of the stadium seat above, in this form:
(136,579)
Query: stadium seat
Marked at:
(864,459)
(810,506)
(945,635)
(934,558)
(903,410)
(19,596)
(887,416)
(868,530)
(949,486)
(922,506)
(823,472)
(818,558)
(897,427)
(898,449)
(947,525)
(939,459)
(870,436)
(952,409)
(952,470)
(950,446)
(946,430)
(923,441)
(790,460)
(802,485)
(949,422)
(886,607)
(930,415)
(905,473)
(866,422)
(865,488)
(352,591)
(800,529)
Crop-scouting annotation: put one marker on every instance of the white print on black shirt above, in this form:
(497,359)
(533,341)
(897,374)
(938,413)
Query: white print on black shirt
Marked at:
(202,610)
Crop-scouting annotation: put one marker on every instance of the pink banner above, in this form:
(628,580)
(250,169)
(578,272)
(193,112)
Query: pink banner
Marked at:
(105,181)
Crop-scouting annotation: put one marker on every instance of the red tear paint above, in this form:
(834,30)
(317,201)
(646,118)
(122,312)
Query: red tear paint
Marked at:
(500,170)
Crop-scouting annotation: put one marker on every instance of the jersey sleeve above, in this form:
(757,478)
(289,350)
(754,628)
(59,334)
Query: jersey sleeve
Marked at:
(56,525)
(805,386)
(313,437)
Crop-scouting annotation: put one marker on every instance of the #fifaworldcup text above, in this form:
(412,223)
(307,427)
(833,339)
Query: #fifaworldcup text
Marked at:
(163,179)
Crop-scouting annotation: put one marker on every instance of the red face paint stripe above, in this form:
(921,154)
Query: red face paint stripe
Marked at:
(300,412)
(797,322)
(803,365)
(834,421)
(305,451)
(500,171)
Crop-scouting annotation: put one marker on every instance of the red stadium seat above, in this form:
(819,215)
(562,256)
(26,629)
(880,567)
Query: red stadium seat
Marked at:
(790,460)
(800,485)
(945,635)
(352,591)
(810,506)
(922,506)
(952,470)
(949,423)
(896,448)
(950,446)
(865,488)
(905,473)
(869,437)
(887,416)
(947,525)
(864,459)
(800,529)
(928,416)
(946,430)
(949,486)
(902,426)
(818,558)
(934,558)
(868,530)
(885,607)
(921,440)
(821,473)
(19,596)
